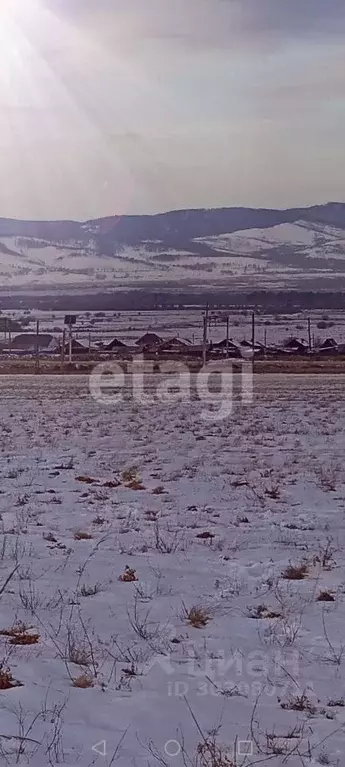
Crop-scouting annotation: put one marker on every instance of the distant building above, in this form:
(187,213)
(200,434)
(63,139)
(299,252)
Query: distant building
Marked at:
(294,346)
(219,348)
(328,347)
(329,343)
(27,342)
(149,339)
(177,345)
(246,348)
(114,345)
(77,347)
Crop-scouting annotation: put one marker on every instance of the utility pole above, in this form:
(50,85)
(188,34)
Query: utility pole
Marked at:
(204,345)
(227,337)
(309,334)
(63,350)
(37,362)
(70,319)
(70,344)
(253,332)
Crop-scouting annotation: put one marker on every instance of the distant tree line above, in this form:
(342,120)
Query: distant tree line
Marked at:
(145,300)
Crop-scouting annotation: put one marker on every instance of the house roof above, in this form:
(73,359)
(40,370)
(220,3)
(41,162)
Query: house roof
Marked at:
(29,341)
(115,344)
(292,343)
(76,345)
(328,342)
(149,338)
(175,342)
(222,344)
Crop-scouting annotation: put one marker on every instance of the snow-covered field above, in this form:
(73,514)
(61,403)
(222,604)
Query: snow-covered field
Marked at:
(217,646)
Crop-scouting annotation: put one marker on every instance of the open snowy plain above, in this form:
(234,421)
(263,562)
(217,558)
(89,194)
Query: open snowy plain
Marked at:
(172,588)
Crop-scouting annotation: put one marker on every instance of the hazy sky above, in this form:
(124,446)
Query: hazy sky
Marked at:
(123,106)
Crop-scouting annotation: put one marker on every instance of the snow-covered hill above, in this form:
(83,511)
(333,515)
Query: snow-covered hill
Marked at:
(194,248)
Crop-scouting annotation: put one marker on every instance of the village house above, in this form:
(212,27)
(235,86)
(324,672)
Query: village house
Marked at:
(174,346)
(295,346)
(28,342)
(328,346)
(148,339)
(219,349)
(114,345)
(77,347)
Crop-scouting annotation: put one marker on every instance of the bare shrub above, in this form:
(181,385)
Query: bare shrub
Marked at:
(298,703)
(262,611)
(273,491)
(165,545)
(135,484)
(98,520)
(90,591)
(159,490)
(8,579)
(155,634)
(128,475)
(198,616)
(34,734)
(325,555)
(329,477)
(336,654)
(296,572)
(77,650)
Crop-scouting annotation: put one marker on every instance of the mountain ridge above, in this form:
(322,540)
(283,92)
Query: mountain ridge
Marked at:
(267,247)
(205,220)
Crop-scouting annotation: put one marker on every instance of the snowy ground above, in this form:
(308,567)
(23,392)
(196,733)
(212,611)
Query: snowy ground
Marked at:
(126,663)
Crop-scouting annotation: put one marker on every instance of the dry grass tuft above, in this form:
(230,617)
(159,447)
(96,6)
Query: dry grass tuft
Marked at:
(129,475)
(197,616)
(296,572)
(299,703)
(128,576)
(151,515)
(98,520)
(18,628)
(135,484)
(86,479)
(83,681)
(6,679)
(82,536)
(90,591)
(112,483)
(158,490)
(210,754)
(334,703)
(206,536)
(325,596)
(25,639)
(262,611)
